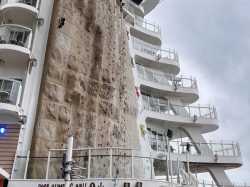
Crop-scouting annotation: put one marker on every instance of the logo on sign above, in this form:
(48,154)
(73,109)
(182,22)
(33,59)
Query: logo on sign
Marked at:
(138,184)
(126,184)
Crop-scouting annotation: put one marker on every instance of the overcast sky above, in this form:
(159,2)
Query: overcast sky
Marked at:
(212,38)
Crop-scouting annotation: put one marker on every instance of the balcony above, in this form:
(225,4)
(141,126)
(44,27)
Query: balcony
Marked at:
(15,42)
(161,83)
(21,12)
(156,57)
(147,31)
(200,152)
(10,93)
(138,9)
(163,112)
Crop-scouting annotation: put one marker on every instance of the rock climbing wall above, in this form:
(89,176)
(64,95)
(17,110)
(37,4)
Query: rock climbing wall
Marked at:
(87,87)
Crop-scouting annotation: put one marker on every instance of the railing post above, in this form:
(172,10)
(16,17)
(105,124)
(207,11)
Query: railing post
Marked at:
(148,104)
(238,146)
(162,74)
(210,111)
(153,75)
(178,145)
(169,54)
(132,163)
(14,165)
(151,157)
(200,147)
(159,106)
(168,107)
(178,108)
(199,109)
(89,164)
(172,79)
(189,110)
(181,81)
(233,148)
(26,165)
(222,148)
(211,147)
(110,164)
(47,169)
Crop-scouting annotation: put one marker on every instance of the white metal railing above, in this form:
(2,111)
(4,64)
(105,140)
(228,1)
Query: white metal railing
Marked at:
(103,163)
(203,183)
(221,148)
(15,35)
(163,78)
(33,3)
(154,50)
(165,107)
(146,24)
(10,91)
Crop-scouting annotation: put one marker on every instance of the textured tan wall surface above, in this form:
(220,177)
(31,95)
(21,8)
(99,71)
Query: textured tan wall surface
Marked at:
(87,86)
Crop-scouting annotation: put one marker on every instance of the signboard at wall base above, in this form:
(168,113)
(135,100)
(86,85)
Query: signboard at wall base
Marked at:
(87,183)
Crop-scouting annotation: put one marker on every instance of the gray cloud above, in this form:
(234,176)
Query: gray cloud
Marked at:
(213,41)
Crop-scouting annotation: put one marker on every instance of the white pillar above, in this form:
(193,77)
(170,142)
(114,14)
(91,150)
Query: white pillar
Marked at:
(69,159)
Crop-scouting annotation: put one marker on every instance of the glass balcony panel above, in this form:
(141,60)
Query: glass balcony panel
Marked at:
(15,35)
(9,91)
(229,149)
(100,162)
(205,112)
(218,149)
(194,111)
(158,78)
(184,111)
(27,2)
(148,75)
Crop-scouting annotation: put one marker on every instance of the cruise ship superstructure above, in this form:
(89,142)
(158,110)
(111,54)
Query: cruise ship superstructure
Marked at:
(97,70)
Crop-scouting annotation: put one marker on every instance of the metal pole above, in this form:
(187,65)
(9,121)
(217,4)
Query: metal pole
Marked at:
(110,164)
(69,159)
(167,170)
(132,162)
(187,163)
(47,170)
(170,162)
(178,172)
(89,164)
(26,166)
(14,165)
(152,166)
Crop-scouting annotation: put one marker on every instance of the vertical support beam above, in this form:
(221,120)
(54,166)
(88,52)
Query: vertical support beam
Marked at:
(48,162)
(89,163)
(69,159)
(132,163)
(170,163)
(152,166)
(26,165)
(110,164)
(14,165)
(167,168)
(178,172)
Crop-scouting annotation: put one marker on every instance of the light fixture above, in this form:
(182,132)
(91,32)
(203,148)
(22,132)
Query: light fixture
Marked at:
(216,157)
(23,119)
(195,118)
(2,130)
(33,62)
(40,22)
